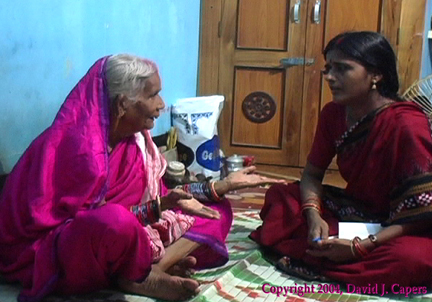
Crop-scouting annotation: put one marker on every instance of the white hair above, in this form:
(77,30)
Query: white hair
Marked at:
(127,74)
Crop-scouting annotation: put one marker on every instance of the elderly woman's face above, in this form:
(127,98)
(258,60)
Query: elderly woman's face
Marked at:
(349,81)
(142,113)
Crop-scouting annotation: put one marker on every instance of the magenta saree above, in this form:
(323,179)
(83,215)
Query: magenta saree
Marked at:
(54,234)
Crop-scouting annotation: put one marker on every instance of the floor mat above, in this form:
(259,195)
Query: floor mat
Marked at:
(246,277)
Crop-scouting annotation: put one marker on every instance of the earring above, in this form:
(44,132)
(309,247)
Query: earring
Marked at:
(374,84)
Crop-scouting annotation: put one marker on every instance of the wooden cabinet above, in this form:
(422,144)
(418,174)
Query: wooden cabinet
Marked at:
(265,57)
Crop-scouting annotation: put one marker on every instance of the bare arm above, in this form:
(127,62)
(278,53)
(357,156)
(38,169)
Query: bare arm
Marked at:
(311,182)
(244,178)
(311,191)
(395,231)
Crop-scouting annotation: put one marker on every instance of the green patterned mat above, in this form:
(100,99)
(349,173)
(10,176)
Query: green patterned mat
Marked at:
(246,277)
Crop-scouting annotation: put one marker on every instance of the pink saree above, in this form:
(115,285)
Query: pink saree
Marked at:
(54,236)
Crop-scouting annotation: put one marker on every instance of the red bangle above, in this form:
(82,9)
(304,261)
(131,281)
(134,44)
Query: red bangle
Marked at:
(213,192)
(313,198)
(311,205)
(359,248)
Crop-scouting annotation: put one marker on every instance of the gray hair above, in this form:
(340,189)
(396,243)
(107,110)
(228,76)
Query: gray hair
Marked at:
(127,74)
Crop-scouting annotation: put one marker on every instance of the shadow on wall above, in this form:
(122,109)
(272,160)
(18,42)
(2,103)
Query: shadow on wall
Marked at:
(2,171)
(430,48)
(3,176)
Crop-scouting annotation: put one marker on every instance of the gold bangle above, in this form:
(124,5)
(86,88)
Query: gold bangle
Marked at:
(352,249)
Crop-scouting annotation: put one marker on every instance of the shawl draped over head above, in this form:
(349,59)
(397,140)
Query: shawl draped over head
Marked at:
(63,171)
(67,169)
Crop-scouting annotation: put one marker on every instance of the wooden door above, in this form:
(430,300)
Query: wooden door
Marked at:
(263,98)
(271,111)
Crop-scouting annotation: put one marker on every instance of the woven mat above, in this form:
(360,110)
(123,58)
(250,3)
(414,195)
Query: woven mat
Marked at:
(241,279)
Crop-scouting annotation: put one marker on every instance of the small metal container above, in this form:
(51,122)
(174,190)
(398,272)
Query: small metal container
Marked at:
(234,163)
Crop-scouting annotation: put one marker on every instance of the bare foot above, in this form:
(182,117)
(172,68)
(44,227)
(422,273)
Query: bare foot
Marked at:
(161,285)
(183,268)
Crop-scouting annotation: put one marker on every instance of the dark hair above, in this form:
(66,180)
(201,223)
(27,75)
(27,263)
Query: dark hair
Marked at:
(374,52)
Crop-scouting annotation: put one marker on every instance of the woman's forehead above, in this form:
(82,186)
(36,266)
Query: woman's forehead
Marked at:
(337,55)
(153,83)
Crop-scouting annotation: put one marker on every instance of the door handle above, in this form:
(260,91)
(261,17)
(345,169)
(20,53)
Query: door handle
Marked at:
(296,12)
(289,62)
(317,12)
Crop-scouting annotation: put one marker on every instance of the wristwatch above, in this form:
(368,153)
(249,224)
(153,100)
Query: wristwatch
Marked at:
(373,239)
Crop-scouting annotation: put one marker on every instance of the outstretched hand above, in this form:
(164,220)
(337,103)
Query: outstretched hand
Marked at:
(177,198)
(245,178)
(194,207)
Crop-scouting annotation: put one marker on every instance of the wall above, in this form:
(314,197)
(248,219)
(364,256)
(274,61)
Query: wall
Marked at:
(427,46)
(46,46)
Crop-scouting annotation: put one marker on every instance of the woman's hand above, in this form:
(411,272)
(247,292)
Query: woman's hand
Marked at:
(244,179)
(170,201)
(194,207)
(336,250)
(318,228)
(180,199)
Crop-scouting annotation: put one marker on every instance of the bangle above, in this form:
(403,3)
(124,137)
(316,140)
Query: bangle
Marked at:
(213,191)
(148,212)
(311,205)
(313,198)
(199,190)
(359,248)
(352,249)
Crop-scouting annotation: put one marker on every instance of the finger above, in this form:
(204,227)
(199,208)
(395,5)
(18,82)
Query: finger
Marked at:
(209,213)
(249,169)
(329,241)
(324,232)
(314,237)
(274,180)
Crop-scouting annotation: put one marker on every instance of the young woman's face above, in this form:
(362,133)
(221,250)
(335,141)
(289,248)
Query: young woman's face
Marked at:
(349,81)
(141,114)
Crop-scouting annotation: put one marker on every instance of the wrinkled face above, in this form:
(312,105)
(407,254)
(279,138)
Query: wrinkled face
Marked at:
(141,114)
(349,81)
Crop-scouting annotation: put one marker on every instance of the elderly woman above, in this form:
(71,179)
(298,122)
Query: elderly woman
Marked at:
(85,208)
(384,152)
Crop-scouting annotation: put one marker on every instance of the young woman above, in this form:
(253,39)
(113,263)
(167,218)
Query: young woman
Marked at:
(384,152)
(85,207)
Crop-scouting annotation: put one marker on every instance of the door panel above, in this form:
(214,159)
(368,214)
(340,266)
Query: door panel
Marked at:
(250,64)
(261,111)
(262,24)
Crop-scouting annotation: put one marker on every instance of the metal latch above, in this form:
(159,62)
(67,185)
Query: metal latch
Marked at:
(288,62)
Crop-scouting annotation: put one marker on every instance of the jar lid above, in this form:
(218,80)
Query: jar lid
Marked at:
(176,168)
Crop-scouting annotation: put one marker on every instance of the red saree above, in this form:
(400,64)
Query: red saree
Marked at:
(386,160)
